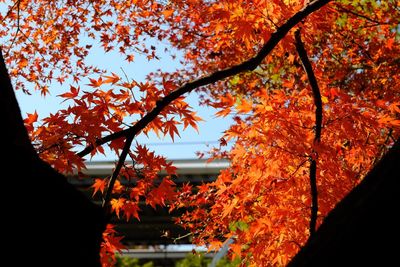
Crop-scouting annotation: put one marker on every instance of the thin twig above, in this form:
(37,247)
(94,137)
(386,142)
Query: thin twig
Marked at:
(382,147)
(18,28)
(359,15)
(10,10)
(181,237)
(298,168)
(111,182)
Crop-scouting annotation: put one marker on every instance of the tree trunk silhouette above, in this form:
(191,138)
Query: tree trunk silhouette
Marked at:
(363,228)
(46,221)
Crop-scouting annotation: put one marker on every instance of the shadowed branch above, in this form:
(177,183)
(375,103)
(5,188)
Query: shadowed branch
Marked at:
(318,126)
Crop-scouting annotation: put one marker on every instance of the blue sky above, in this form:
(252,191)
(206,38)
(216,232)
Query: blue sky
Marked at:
(210,129)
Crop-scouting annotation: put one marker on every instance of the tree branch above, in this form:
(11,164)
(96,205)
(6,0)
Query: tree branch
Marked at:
(18,27)
(318,126)
(341,8)
(247,65)
(110,186)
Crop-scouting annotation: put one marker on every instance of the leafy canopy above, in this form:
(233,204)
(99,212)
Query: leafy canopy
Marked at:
(263,199)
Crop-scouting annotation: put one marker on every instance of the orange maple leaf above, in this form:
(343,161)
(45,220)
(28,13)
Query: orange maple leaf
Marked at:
(113,79)
(131,209)
(167,13)
(74,91)
(32,117)
(117,205)
(99,185)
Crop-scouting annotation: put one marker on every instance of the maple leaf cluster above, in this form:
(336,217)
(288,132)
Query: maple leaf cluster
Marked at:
(263,200)
(110,245)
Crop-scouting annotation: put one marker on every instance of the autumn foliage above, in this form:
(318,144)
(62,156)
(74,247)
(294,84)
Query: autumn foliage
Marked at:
(251,65)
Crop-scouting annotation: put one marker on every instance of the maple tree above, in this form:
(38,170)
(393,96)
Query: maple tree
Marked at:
(314,86)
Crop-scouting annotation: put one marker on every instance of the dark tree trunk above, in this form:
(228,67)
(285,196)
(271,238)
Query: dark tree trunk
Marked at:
(45,220)
(363,229)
